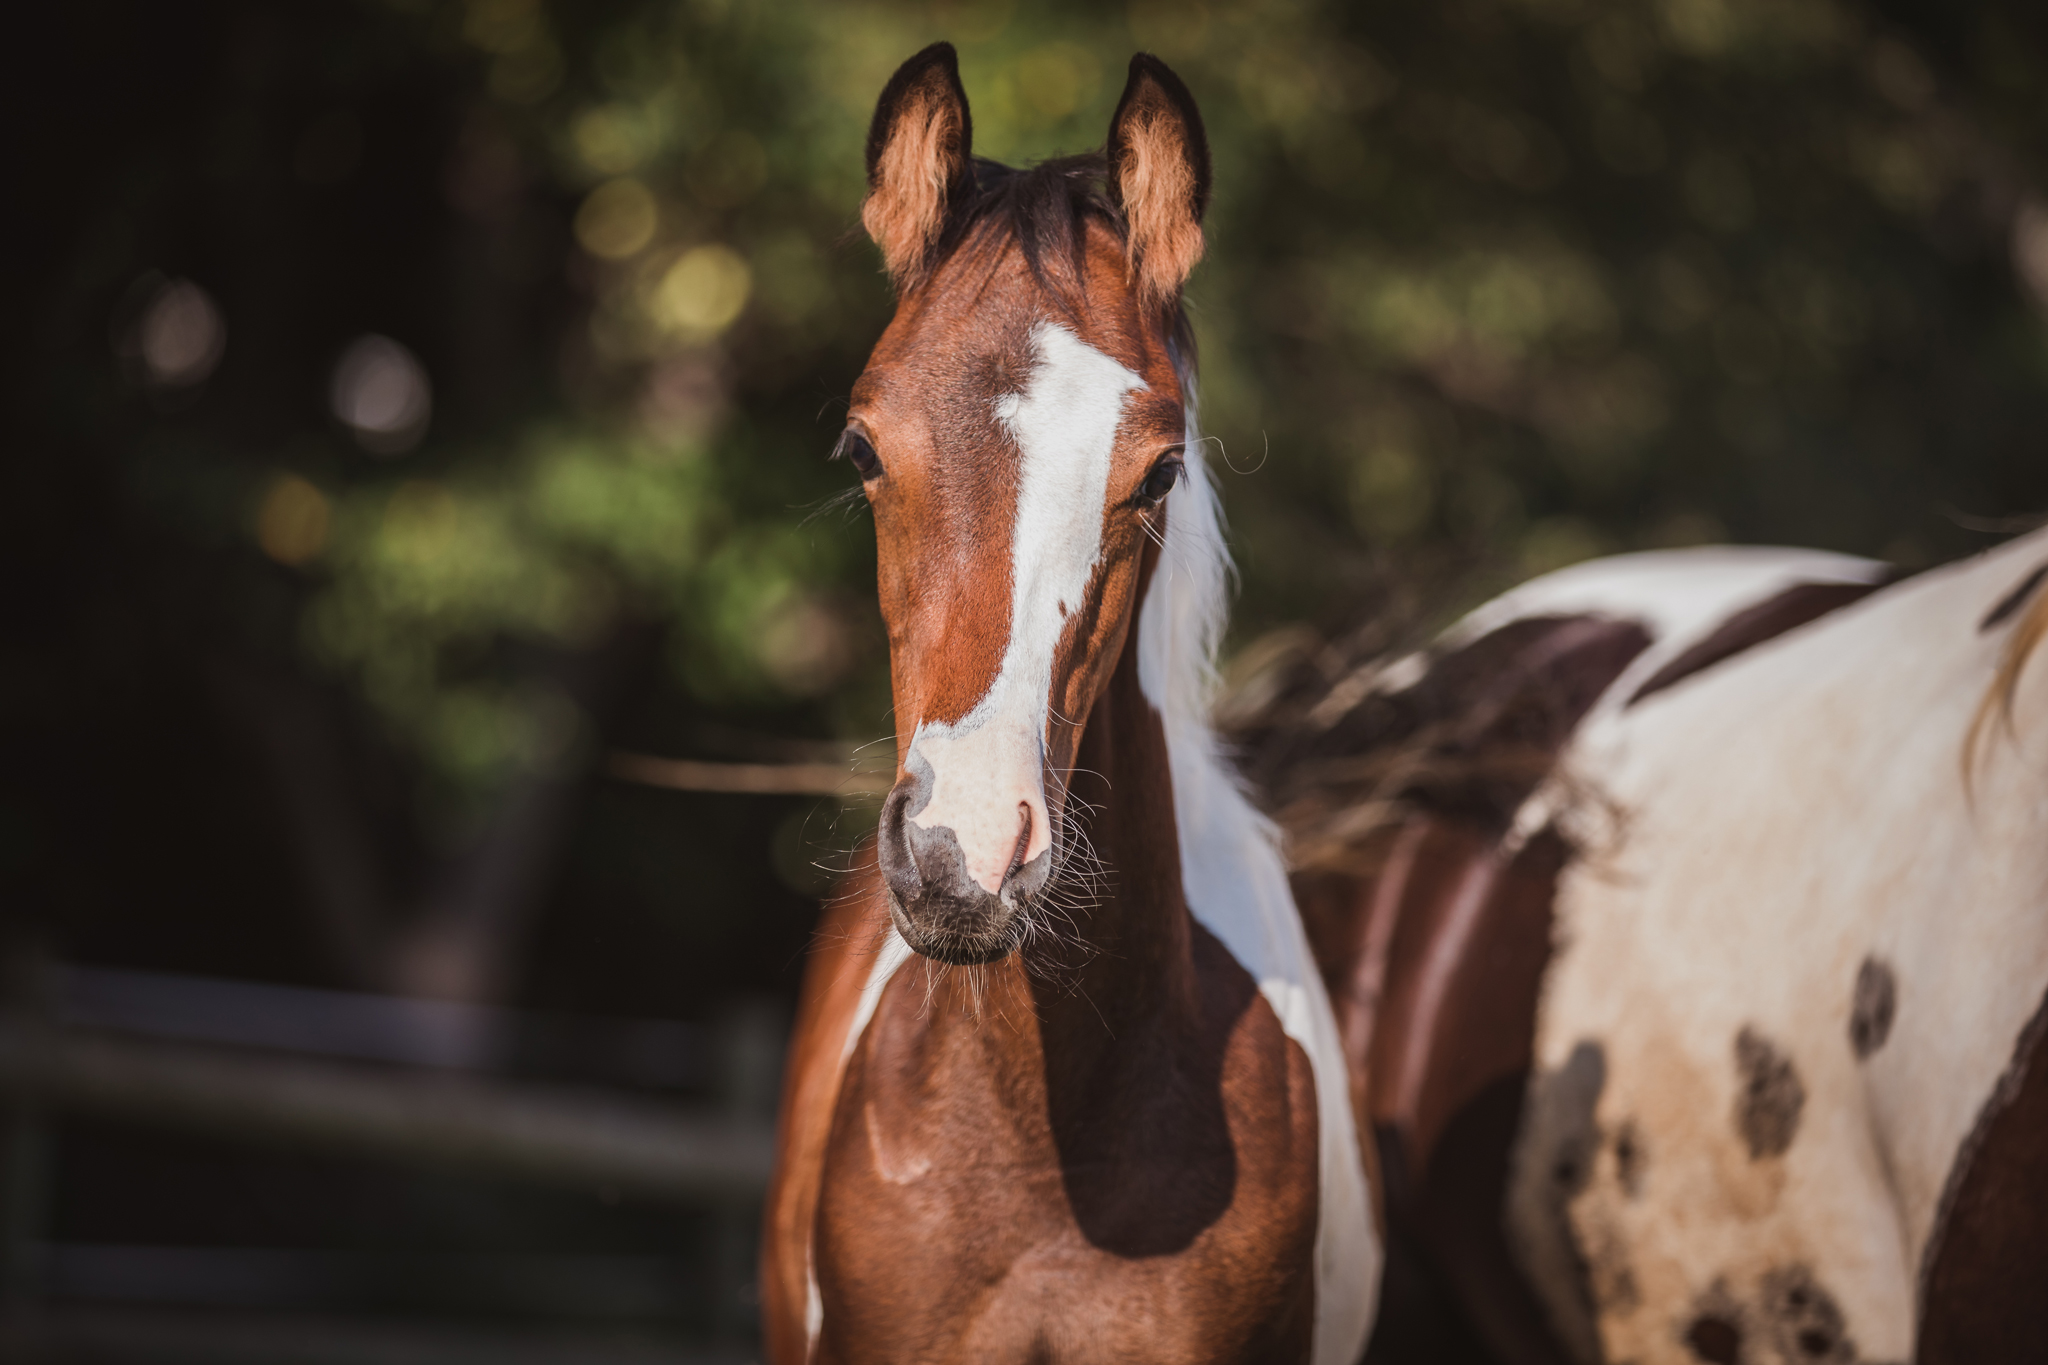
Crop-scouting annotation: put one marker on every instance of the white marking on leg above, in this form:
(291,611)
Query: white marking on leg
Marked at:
(988,767)
(893,954)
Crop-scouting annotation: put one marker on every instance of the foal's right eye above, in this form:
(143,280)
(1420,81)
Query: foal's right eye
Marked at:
(1160,481)
(859,453)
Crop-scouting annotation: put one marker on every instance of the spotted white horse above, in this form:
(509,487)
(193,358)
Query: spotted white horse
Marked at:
(1685,917)
(1790,1101)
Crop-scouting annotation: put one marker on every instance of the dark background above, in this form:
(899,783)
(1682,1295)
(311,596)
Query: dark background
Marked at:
(1494,285)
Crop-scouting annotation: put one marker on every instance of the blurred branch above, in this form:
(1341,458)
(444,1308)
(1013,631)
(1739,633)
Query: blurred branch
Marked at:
(549,1134)
(1997,526)
(761,779)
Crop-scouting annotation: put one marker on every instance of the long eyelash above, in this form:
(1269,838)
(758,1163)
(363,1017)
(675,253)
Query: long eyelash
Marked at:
(844,498)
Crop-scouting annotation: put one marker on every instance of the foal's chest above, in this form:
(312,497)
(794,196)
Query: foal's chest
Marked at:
(1159,1207)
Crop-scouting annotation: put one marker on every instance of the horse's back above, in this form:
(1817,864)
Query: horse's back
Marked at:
(1785,1041)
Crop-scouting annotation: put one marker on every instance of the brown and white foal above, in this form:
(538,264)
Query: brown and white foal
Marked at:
(1105,1114)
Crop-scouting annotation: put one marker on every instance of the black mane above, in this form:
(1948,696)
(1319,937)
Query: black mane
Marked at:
(1045,209)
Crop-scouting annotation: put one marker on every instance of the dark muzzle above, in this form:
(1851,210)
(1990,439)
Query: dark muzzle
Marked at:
(940,910)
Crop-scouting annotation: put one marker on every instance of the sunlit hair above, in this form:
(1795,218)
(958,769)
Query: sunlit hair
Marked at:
(1995,711)
(1228,848)
(1195,594)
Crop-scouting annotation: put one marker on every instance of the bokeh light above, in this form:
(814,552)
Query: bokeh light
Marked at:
(179,337)
(703,292)
(617,219)
(381,392)
(292,520)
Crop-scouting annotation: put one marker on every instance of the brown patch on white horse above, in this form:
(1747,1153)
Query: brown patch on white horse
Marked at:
(1715,1331)
(1980,1280)
(1790,1318)
(1631,1158)
(1793,607)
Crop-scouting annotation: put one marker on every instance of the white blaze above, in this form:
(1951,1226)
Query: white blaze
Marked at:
(988,767)
(1236,884)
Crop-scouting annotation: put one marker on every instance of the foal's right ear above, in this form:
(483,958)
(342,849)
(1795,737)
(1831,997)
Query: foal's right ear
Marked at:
(920,160)
(1159,177)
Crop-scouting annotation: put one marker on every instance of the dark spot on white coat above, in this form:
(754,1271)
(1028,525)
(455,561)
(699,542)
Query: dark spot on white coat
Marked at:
(1770,1096)
(1872,1007)
(1715,1338)
(1631,1158)
(1713,1332)
(1804,1320)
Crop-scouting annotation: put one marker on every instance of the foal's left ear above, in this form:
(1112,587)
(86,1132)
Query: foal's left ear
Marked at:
(1159,177)
(920,161)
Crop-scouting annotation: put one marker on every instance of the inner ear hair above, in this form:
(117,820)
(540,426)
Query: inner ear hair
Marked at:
(920,161)
(1158,161)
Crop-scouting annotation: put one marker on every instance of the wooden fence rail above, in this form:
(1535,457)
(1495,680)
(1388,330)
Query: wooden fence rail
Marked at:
(556,1134)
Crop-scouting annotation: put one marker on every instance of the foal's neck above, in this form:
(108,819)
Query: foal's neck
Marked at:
(1126,959)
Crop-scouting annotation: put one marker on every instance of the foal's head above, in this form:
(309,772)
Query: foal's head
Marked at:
(1017,431)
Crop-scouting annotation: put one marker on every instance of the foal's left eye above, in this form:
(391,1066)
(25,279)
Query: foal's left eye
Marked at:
(1159,482)
(859,453)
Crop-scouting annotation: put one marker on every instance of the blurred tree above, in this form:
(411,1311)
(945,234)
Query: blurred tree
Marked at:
(420,378)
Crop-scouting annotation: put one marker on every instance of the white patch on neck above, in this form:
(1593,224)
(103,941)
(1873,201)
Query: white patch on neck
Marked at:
(1235,884)
(988,767)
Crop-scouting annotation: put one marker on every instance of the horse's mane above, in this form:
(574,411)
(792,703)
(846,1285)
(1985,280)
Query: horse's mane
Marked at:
(1045,207)
(1195,565)
(1045,211)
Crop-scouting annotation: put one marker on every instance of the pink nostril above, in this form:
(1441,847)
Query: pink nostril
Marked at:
(1023,842)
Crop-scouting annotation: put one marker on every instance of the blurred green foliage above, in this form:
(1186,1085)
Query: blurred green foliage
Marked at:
(412,399)
(1493,285)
